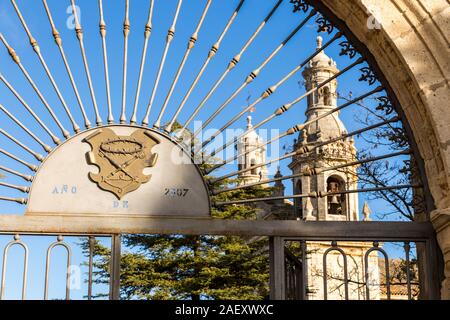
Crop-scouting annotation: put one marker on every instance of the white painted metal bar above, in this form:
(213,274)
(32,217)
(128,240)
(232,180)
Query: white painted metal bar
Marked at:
(236,59)
(280,111)
(16,59)
(23,146)
(126,34)
(314,171)
(17,200)
(80,37)
(170,36)
(58,42)
(210,56)
(18,174)
(15,242)
(147,34)
(255,73)
(316,195)
(55,139)
(30,166)
(59,243)
(102,26)
(12,186)
(34,44)
(271,90)
(25,128)
(190,46)
(294,129)
(306,149)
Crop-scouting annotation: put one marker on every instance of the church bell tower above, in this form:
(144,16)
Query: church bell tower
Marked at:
(336,207)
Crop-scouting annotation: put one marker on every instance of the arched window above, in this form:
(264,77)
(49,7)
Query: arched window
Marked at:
(336,203)
(327,96)
(252,164)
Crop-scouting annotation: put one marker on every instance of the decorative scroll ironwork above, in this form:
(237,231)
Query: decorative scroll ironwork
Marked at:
(385,105)
(368,75)
(347,49)
(324,25)
(300,5)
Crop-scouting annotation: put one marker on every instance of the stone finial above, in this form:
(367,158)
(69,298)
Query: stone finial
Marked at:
(319,42)
(249,122)
(366,212)
(308,209)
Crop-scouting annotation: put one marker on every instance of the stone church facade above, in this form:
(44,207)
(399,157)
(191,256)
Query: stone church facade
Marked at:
(319,127)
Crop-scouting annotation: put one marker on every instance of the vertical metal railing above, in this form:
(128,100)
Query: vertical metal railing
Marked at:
(16,242)
(334,247)
(291,279)
(59,243)
(376,248)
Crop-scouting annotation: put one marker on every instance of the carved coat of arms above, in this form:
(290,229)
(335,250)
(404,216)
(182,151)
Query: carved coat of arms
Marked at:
(121,160)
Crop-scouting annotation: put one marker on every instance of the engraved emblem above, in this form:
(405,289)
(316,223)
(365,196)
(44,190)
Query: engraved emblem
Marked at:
(121,160)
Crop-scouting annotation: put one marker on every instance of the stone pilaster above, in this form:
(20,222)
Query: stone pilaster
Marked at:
(441,222)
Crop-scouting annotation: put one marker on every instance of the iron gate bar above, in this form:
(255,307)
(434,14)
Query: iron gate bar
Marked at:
(15,242)
(232,64)
(11,186)
(191,44)
(36,48)
(255,73)
(170,36)
(55,139)
(210,56)
(16,59)
(80,37)
(407,248)
(376,248)
(24,128)
(334,247)
(147,34)
(102,26)
(290,131)
(304,150)
(30,166)
(286,107)
(126,33)
(313,172)
(271,90)
(58,243)
(58,42)
(38,156)
(311,230)
(115,267)
(316,194)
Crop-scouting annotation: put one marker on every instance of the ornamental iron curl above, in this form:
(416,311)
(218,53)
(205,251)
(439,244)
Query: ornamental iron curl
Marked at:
(300,5)
(385,105)
(368,75)
(347,49)
(324,25)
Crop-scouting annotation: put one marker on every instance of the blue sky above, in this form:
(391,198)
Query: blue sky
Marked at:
(251,15)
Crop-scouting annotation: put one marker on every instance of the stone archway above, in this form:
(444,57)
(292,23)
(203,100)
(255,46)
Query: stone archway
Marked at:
(410,41)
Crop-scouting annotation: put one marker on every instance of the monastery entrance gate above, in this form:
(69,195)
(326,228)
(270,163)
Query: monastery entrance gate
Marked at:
(122,177)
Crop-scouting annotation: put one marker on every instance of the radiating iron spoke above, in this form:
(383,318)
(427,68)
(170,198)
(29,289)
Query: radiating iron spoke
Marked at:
(190,46)
(147,34)
(169,38)
(80,37)
(16,59)
(210,56)
(254,74)
(233,63)
(37,50)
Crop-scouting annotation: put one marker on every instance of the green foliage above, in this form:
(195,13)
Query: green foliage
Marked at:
(193,267)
